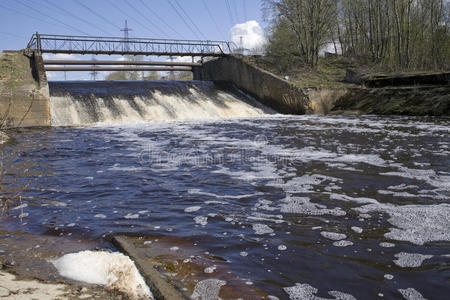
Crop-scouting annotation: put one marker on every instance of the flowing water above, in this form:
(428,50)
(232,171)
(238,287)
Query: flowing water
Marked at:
(336,207)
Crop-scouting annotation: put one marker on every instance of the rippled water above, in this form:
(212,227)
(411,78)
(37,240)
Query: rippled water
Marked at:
(354,205)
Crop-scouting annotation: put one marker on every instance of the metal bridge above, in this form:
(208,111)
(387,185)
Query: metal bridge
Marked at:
(46,43)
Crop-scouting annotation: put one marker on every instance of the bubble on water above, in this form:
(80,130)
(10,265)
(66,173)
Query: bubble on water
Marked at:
(208,289)
(249,283)
(192,209)
(306,291)
(316,227)
(100,216)
(201,220)
(131,216)
(388,276)
(282,247)
(357,229)
(417,224)
(410,260)
(143,212)
(261,229)
(174,248)
(243,253)
(411,294)
(210,270)
(387,245)
(342,243)
(147,242)
(71,225)
(302,205)
(333,235)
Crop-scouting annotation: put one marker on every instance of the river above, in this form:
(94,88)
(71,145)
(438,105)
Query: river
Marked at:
(336,207)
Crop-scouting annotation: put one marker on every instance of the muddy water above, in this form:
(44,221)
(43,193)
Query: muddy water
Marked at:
(294,206)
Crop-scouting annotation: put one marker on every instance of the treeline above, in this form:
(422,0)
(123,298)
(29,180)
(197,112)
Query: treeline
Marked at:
(396,34)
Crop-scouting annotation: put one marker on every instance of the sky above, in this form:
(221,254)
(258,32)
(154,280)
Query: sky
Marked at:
(200,19)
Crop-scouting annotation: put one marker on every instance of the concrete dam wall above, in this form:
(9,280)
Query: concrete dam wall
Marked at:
(87,102)
(268,88)
(24,98)
(225,87)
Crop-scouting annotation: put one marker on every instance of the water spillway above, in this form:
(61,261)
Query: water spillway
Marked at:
(91,102)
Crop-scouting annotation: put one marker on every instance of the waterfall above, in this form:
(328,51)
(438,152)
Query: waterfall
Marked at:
(87,102)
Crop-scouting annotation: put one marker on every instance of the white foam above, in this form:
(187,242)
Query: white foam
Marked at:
(262,229)
(100,216)
(208,289)
(131,216)
(342,243)
(302,205)
(308,292)
(411,294)
(210,270)
(201,220)
(387,245)
(417,224)
(357,229)
(410,260)
(333,235)
(192,209)
(114,270)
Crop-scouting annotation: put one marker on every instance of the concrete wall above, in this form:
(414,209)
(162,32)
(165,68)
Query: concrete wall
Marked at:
(24,95)
(269,89)
(323,100)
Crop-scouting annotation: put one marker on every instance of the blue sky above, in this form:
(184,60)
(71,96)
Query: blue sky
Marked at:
(19,19)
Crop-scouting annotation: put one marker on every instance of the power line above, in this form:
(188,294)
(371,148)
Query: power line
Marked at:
(28,16)
(51,17)
(234,6)
(13,35)
(212,18)
(189,18)
(161,19)
(244,3)
(183,19)
(146,18)
(96,14)
(75,16)
(131,17)
(230,15)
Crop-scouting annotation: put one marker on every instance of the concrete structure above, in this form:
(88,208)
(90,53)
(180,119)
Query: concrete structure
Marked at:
(24,94)
(269,89)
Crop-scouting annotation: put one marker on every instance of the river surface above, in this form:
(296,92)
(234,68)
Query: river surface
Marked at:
(336,207)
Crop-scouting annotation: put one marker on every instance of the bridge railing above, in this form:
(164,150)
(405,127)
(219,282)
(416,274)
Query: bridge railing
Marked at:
(46,43)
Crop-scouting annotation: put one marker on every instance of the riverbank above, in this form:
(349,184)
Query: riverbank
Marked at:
(341,87)
(26,271)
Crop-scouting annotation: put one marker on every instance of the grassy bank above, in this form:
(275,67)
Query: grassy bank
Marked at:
(379,91)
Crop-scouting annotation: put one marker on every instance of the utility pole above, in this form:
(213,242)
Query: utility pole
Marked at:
(126,35)
(94,73)
(171,73)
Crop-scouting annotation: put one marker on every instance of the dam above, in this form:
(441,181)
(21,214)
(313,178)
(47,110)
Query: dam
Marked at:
(87,103)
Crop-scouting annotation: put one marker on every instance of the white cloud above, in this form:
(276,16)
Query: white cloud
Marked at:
(59,56)
(253,38)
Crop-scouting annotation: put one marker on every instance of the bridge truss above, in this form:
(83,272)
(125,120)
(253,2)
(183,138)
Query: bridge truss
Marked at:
(46,43)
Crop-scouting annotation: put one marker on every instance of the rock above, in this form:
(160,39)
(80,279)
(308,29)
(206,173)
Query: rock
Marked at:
(354,76)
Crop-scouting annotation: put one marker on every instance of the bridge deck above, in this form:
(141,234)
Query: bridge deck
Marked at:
(45,43)
(121,63)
